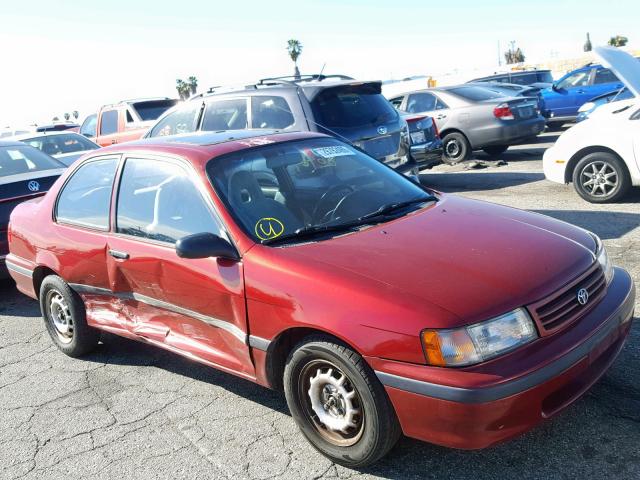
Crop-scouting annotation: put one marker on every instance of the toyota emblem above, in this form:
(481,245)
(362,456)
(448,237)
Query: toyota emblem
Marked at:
(382,130)
(33,186)
(583,296)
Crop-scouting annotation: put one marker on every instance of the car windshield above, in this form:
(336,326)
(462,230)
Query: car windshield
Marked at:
(152,109)
(352,106)
(15,160)
(61,144)
(475,94)
(293,190)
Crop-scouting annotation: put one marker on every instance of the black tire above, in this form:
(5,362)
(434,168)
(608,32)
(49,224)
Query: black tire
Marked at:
(601,177)
(375,430)
(495,150)
(60,307)
(455,148)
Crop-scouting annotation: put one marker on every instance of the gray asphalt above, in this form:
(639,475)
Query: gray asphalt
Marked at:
(131,411)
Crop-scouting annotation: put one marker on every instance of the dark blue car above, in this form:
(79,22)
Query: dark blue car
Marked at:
(560,102)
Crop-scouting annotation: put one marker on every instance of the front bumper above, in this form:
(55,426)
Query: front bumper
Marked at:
(428,154)
(473,417)
(554,165)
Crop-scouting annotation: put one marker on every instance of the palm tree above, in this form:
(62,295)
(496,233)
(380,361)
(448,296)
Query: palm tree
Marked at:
(294,47)
(193,84)
(618,41)
(587,45)
(75,114)
(67,116)
(183,89)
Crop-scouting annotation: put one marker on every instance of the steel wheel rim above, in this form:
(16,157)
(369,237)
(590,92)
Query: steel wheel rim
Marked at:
(452,148)
(332,403)
(599,179)
(60,316)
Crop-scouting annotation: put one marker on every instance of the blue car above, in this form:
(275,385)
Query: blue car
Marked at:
(560,102)
(588,108)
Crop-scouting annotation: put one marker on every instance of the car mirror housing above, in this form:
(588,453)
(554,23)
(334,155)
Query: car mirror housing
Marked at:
(205,245)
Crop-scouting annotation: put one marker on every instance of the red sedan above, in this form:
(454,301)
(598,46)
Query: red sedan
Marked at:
(298,262)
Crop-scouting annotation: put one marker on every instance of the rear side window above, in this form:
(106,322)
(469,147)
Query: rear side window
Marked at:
(225,115)
(109,123)
(475,94)
(86,197)
(271,112)
(352,106)
(604,75)
(24,159)
(158,201)
(179,121)
(152,109)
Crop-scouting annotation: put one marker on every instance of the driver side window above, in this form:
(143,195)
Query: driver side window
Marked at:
(578,79)
(85,199)
(158,201)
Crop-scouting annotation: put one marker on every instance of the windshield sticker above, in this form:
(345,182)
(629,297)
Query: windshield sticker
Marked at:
(331,152)
(268,228)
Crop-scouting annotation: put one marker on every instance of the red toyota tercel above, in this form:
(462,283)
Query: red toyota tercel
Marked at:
(298,262)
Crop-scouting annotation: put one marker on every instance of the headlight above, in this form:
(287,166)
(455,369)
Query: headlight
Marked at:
(603,259)
(480,342)
(587,107)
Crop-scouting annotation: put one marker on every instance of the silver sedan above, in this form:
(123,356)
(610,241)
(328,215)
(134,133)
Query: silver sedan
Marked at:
(473,118)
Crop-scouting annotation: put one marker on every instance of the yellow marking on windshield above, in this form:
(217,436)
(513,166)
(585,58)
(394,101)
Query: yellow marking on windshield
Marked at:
(268,228)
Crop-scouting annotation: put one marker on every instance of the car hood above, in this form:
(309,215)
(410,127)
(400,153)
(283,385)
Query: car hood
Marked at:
(625,66)
(471,258)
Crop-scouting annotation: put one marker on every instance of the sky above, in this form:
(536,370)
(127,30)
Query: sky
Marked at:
(61,55)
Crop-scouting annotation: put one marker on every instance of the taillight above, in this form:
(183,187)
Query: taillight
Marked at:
(435,128)
(503,112)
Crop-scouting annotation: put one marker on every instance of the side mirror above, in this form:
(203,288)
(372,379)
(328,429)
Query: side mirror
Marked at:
(554,87)
(205,245)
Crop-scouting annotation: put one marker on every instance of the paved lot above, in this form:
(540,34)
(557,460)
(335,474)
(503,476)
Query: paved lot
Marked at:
(131,411)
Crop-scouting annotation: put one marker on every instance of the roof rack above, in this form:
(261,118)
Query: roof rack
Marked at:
(295,79)
(147,99)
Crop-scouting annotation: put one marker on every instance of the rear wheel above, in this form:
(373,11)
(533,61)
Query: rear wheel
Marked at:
(64,316)
(601,177)
(338,403)
(495,149)
(456,148)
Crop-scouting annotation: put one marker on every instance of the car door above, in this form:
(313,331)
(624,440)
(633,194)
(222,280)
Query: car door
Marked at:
(82,213)
(195,306)
(604,81)
(429,103)
(108,125)
(562,101)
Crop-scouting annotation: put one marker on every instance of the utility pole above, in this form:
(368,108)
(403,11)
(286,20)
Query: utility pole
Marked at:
(499,55)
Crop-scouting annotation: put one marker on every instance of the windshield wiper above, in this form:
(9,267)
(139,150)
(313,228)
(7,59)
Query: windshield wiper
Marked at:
(312,230)
(392,207)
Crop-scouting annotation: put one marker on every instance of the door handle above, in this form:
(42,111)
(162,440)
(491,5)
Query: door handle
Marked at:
(118,254)
(580,91)
(441,116)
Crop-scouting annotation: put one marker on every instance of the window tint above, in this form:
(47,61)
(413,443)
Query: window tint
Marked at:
(271,112)
(152,109)
(352,106)
(109,123)
(524,78)
(158,201)
(61,144)
(183,120)
(86,197)
(475,94)
(225,115)
(88,128)
(421,102)
(604,75)
(578,79)
(16,160)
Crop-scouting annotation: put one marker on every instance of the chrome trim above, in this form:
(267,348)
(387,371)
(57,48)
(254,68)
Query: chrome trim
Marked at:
(259,343)
(18,269)
(622,314)
(154,302)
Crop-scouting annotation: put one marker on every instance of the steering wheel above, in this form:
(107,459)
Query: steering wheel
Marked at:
(319,214)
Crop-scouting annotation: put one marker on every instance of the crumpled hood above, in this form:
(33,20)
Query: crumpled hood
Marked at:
(472,258)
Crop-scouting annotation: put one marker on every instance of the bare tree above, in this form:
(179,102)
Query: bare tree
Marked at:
(514,55)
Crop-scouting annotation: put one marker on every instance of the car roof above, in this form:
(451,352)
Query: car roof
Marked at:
(52,133)
(11,143)
(201,147)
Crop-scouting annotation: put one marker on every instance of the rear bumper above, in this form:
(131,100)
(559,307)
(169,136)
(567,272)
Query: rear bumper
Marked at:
(505,133)
(471,418)
(428,154)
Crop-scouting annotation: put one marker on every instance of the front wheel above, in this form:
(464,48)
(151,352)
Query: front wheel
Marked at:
(65,319)
(455,148)
(601,177)
(338,403)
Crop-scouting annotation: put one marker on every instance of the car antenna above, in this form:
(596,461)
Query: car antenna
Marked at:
(322,70)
